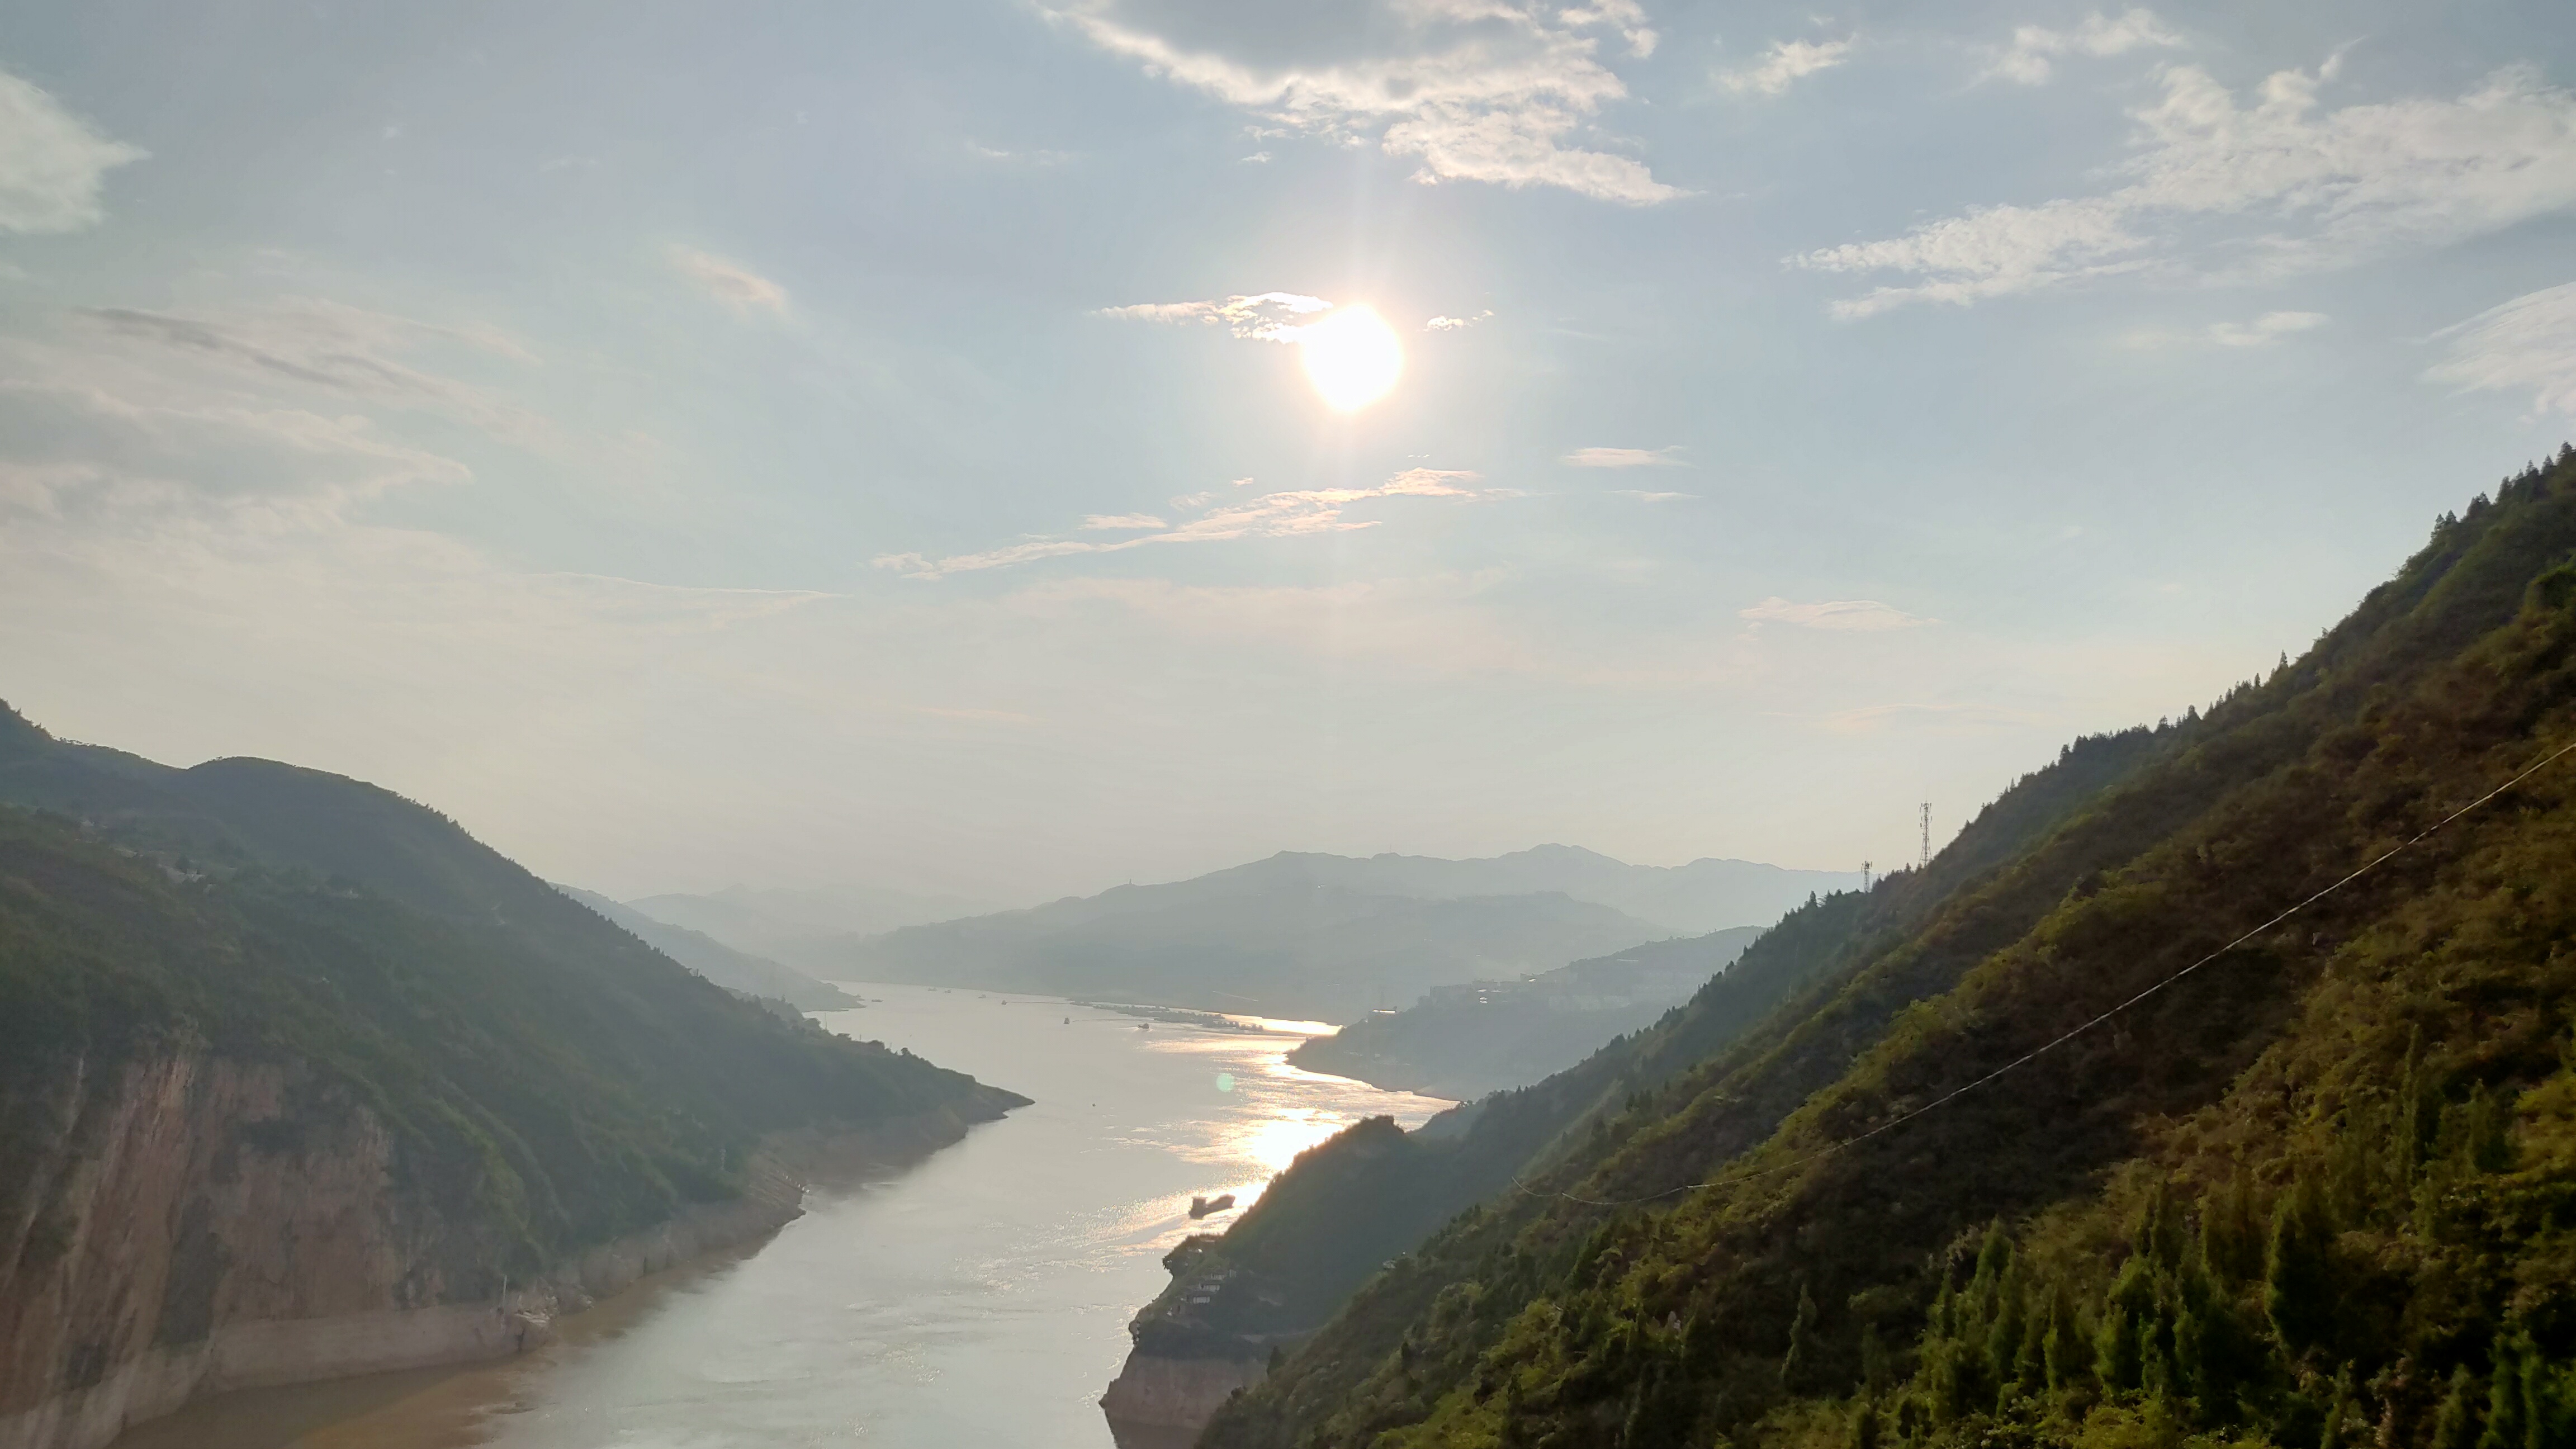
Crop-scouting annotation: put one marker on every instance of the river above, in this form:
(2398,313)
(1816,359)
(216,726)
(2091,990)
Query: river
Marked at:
(978,1298)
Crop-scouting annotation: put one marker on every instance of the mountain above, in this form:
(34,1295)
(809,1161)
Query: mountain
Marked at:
(800,926)
(1325,936)
(1462,1042)
(2217,1087)
(1248,943)
(297,1079)
(1688,900)
(722,964)
(1372,1194)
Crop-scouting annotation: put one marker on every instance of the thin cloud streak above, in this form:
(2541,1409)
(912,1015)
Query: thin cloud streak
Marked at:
(2527,343)
(1287,514)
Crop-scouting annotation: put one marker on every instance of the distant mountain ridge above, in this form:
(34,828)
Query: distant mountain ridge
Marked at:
(1463,1043)
(1326,936)
(1708,894)
(713,959)
(800,927)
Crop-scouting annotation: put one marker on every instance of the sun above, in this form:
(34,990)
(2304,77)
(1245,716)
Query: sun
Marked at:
(1352,357)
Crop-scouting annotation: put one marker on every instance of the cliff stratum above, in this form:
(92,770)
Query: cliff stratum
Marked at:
(296,1079)
(1997,1163)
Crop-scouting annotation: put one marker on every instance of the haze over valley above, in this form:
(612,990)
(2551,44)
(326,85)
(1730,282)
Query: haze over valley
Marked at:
(1228,724)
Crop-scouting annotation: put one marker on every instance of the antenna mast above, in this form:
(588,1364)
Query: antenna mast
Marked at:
(1927,836)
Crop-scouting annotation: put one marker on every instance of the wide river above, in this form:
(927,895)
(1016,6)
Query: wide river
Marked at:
(979,1298)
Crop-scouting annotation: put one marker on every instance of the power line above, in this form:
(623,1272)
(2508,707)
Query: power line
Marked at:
(2063,1038)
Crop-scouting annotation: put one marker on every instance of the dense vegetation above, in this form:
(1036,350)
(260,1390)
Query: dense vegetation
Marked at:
(548,1080)
(2322,1190)
(1373,1194)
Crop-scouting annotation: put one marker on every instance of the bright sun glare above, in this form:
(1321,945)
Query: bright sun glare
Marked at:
(1352,357)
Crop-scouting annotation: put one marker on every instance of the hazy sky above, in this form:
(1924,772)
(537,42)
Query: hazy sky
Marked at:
(799,443)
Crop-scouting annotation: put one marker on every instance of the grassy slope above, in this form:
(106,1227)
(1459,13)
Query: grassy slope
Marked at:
(1371,1194)
(1755,1307)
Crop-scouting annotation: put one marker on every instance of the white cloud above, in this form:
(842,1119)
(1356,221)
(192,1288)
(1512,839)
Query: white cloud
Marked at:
(1456,324)
(2278,187)
(1476,90)
(1622,457)
(1786,63)
(52,165)
(1856,615)
(1644,496)
(739,288)
(1271,515)
(1264,317)
(2529,342)
(2265,330)
(1113,521)
(2035,49)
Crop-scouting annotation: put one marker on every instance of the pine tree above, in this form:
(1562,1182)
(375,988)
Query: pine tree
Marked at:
(2299,1271)
(2456,1426)
(1800,1364)
(2509,1420)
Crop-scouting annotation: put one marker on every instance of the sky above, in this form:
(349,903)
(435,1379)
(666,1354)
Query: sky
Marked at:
(811,444)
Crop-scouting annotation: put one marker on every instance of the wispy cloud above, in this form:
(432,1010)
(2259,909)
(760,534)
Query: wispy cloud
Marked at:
(1263,317)
(310,343)
(2262,331)
(1098,522)
(1455,324)
(2278,187)
(2529,342)
(1622,457)
(1934,718)
(1475,90)
(52,164)
(2035,50)
(2265,330)
(1270,515)
(1032,157)
(1785,64)
(739,288)
(1857,615)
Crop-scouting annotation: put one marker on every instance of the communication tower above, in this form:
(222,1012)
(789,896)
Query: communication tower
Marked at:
(1927,836)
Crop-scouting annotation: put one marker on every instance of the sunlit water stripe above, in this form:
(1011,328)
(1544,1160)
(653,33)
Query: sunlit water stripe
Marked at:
(980,1298)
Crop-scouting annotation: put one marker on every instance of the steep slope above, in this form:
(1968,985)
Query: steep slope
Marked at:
(1370,1195)
(713,959)
(2321,1182)
(263,1123)
(1462,1044)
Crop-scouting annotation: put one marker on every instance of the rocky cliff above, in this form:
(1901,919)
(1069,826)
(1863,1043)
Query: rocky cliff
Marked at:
(201,1224)
(298,1079)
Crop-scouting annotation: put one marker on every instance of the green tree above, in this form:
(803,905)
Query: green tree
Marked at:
(2299,1271)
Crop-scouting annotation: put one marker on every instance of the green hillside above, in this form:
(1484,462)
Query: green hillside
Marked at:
(549,1080)
(2322,1190)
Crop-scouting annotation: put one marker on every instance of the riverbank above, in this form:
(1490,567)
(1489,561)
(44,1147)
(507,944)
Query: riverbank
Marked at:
(263,1352)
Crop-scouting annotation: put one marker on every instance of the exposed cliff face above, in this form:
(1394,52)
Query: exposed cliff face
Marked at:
(1162,1403)
(199,1224)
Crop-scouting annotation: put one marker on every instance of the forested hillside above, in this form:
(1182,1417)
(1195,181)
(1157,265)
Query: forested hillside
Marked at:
(1971,1186)
(294,1074)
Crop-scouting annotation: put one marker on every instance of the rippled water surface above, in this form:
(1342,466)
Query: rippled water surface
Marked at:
(978,1298)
